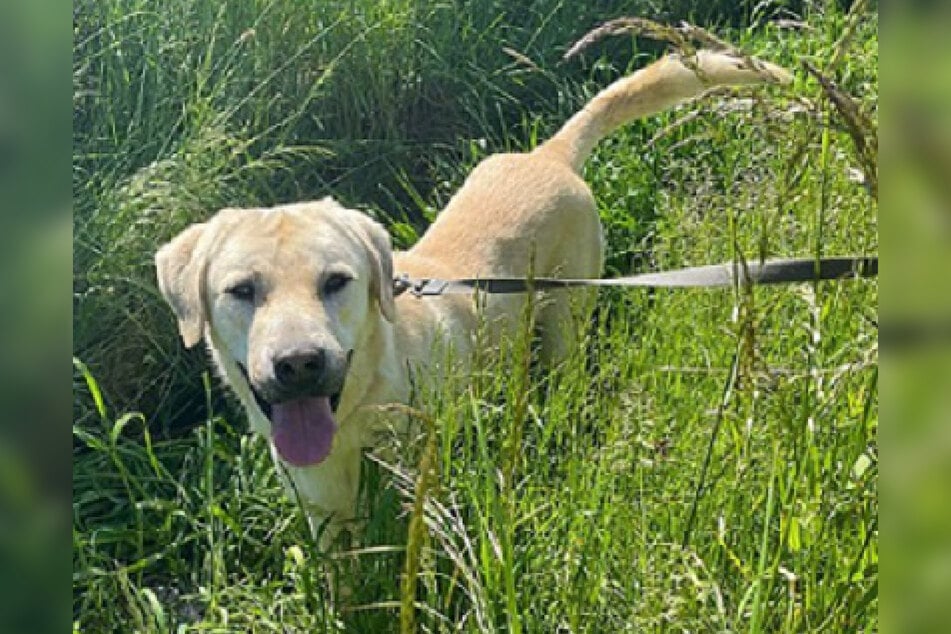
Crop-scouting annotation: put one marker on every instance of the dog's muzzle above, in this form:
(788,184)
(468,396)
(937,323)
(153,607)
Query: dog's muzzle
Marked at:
(300,400)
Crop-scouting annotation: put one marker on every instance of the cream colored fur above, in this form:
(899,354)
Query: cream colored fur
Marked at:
(514,212)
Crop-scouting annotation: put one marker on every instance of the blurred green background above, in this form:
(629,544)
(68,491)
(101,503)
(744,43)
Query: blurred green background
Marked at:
(915,314)
(35,439)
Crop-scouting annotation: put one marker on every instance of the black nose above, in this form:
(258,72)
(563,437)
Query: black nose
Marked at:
(299,369)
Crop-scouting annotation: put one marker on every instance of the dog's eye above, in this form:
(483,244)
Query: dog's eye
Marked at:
(243,291)
(335,283)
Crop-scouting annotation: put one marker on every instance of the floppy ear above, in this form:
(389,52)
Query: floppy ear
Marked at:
(376,242)
(379,248)
(179,266)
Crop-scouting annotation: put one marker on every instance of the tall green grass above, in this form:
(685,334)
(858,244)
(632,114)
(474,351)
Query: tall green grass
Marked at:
(189,107)
(704,461)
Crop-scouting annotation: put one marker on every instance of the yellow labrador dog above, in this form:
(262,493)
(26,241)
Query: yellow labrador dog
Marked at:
(296,302)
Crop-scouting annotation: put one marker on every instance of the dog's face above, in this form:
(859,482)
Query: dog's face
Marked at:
(284,296)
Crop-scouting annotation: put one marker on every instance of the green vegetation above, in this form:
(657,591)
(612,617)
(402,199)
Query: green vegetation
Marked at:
(705,461)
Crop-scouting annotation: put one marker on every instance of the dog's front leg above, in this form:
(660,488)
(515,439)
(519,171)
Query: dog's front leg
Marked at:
(328,495)
(327,492)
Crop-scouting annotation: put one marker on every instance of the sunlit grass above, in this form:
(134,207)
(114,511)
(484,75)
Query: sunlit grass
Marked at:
(703,461)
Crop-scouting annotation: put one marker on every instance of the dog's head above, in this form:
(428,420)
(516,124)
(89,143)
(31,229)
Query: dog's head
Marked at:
(283,296)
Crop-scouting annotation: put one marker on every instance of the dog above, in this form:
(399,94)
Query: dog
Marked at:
(296,302)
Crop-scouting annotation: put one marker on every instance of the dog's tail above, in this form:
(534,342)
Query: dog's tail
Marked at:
(651,90)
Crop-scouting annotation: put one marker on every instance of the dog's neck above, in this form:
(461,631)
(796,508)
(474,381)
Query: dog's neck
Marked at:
(389,354)
(376,377)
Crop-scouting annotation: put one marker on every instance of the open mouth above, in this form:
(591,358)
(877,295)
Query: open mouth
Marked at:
(302,428)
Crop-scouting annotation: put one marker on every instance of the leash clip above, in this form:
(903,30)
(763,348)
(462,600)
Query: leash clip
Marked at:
(424,287)
(427,287)
(401,284)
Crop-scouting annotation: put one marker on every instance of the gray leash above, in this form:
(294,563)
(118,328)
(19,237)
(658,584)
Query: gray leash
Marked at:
(714,275)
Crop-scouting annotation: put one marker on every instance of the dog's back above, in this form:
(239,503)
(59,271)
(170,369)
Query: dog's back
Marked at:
(532,212)
(510,200)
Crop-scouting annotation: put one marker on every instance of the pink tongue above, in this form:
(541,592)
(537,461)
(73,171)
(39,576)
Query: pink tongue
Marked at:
(303,430)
